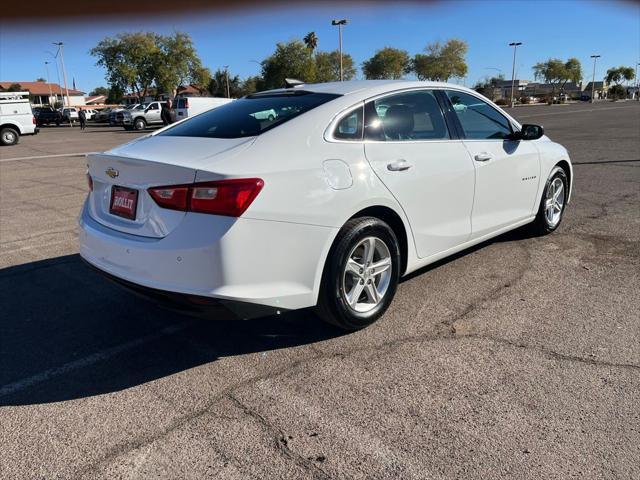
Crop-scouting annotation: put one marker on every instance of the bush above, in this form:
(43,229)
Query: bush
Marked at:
(617,92)
(502,101)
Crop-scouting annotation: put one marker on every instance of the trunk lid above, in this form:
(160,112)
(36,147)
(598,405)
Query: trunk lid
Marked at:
(149,162)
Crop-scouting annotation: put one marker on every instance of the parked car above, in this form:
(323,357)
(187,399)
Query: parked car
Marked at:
(327,207)
(47,115)
(116,117)
(190,106)
(70,114)
(16,117)
(90,113)
(102,115)
(140,119)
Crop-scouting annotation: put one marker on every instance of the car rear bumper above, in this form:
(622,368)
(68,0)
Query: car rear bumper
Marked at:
(274,264)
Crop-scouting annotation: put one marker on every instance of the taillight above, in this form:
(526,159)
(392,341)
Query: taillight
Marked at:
(225,197)
(90,182)
(33,119)
(186,103)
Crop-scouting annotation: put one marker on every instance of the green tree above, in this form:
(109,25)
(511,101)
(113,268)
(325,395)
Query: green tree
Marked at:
(557,73)
(130,60)
(115,95)
(40,79)
(328,66)
(311,41)
(218,85)
(617,92)
(99,91)
(14,87)
(620,74)
(441,62)
(389,63)
(290,60)
(177,63)
(251,85)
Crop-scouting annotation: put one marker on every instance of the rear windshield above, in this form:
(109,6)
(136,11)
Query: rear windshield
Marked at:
(249,116)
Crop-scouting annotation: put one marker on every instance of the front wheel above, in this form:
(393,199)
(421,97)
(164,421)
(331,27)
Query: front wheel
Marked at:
(9,136)
(553,203)
(139,124)
(361,274)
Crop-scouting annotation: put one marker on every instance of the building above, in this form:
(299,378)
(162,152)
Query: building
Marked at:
(152,94)
(599,90)
(43,93)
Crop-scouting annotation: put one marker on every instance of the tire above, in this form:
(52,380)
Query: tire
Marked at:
(9,136)
(271,118)
(337,302)
(139,124)
(545,221)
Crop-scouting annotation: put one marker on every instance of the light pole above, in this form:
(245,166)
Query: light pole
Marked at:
(593,77)
(64,72)
(46,67)
(513,69)
(637,83)
(340,23)
(55,57)
(226,76)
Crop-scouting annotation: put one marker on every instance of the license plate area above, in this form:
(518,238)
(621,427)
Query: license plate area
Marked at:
(124,202)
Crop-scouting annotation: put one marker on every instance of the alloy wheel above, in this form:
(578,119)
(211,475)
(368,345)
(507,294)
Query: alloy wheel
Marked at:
(554,202)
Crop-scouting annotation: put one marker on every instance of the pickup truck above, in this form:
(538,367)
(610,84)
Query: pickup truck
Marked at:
(16,117)
(47,115)
(139,119)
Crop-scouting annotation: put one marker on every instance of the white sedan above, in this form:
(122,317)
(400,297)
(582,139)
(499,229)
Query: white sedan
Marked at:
(326,206)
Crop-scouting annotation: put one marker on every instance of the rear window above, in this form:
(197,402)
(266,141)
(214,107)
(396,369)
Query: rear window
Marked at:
(180,103)
(249,116)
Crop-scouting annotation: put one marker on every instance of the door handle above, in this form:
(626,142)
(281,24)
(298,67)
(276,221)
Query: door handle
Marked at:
(399,166)
(483,157)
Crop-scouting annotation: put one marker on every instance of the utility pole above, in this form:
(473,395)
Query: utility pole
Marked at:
(340,23)
(593,77)
(226,75)
(55,57)
(513,69)
(46,66)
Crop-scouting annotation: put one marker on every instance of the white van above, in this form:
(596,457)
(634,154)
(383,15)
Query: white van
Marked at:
(16,117)
(190,106)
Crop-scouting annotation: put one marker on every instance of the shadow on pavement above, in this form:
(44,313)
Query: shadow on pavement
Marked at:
(67,333)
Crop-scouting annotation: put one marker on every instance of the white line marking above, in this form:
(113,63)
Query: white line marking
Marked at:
(90,360)
(37,157)
(571,111)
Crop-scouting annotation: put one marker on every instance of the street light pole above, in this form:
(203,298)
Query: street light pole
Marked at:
(226,76)
(64,71)
(46,66)
(593,77)
(340,23)
(55,57)
(513,69)
(637,83)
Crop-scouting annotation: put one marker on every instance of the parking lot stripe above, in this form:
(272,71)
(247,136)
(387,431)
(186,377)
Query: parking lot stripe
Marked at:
(90,359)
(37,157)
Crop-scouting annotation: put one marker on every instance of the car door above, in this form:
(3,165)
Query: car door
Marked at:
(507,171)
(152,114)
(425,167)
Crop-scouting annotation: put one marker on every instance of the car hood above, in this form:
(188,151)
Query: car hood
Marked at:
(190,152)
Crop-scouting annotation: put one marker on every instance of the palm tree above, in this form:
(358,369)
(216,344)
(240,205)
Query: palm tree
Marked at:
(311,41)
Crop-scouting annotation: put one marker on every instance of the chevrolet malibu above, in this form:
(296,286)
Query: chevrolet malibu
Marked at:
(325,205)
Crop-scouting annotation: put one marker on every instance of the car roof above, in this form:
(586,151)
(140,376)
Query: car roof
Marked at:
(368,87)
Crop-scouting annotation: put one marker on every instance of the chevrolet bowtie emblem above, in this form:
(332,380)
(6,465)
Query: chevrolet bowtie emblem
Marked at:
(112,172)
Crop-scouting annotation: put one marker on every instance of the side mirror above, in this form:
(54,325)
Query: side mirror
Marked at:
(529,132)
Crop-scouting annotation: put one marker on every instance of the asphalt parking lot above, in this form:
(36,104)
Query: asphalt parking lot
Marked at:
(519,358)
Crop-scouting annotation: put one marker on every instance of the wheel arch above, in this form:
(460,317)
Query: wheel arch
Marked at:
(566,166)
(13,126)
(390,217)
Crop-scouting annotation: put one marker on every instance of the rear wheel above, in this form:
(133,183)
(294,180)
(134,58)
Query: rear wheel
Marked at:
(139,124)
(361,274)
(552,204)
(9,136)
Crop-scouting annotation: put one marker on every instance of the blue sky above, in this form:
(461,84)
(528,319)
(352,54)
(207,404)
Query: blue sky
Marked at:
(560,28)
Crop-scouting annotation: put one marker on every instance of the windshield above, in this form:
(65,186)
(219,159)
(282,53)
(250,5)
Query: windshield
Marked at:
(250,116)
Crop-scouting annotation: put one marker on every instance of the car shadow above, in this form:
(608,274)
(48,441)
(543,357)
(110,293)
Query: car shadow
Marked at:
(66,333)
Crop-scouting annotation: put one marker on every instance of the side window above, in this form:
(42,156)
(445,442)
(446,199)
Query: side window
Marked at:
(350,126)
(405,116)
(479,120)
(153,106)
